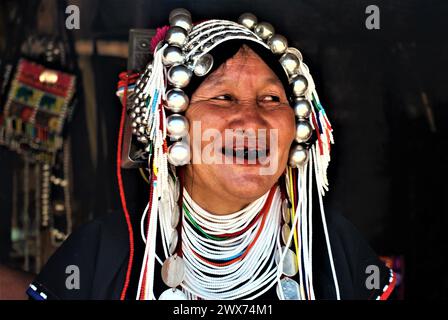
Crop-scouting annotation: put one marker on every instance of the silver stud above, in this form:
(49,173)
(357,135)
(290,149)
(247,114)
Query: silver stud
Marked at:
(302,107)
(203,65)
(298,156)
(177,126)
(172,55)
(143,140)
(179,75)
(183,21)
(264,30)
(303,131)
(177,100)
(134,124)
(299,85)
(138,120)
(278,44)
(141,130)
(176,36)
(291,63)
(248,20)
(179,153)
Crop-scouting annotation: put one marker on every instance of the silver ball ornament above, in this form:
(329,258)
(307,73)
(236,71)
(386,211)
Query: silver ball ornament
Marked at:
(299,85)
(302,107)
(183,21)
(248,20)
(177,126)
(176,36)
(179,75)
(303,131)
(177,100)
(264,30)
(291,63)
(172,55)
(298,156)
(203,65)
(178,11)
(179,153)
(278,44)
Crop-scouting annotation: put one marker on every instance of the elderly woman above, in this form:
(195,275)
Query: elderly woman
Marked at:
(238,145)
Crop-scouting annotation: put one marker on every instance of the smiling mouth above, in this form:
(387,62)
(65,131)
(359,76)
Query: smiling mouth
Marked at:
(246,155)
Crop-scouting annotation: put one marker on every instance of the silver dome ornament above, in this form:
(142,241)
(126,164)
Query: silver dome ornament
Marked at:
(298,156)
(179,75)
(134,124)
(302,108)
(141,130)
(303,131)
(264,30)
(176,36)
(291,63)
(203,65)
(183,21)
(177,126)
(176,100)
(179,153)
(172,55)
(299,85)
(278,44)
(178,11)
(143,139)
(248,20)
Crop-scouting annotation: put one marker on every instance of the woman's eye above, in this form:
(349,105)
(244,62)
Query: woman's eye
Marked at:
(224,97)
(270,99)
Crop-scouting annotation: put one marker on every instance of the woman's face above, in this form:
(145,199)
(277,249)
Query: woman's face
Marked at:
(242,95)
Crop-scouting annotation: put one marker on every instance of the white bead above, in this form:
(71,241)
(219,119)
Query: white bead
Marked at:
(278,44)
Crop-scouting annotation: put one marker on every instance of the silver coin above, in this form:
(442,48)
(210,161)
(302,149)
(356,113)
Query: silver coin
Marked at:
(286,230)
(173,271)
(290,267)
(173,294)
(291,289)
(285,211)
(173,241)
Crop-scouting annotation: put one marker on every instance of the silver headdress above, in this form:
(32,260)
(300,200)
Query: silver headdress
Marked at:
(157,102)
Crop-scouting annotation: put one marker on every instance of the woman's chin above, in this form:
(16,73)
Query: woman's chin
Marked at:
(247,185)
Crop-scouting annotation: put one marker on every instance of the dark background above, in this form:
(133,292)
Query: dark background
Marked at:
(388,172)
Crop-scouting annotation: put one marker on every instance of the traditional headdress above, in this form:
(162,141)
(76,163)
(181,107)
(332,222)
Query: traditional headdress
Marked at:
(155,103)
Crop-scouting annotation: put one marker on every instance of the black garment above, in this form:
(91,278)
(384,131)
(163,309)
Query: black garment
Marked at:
(100,250)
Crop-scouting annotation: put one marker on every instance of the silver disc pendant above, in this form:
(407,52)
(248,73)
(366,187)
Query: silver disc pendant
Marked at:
(291,289)
(286,230)
(173,294)
(290,267)
(173,271)
(285,211)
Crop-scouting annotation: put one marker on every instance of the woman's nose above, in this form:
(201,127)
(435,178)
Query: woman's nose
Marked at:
(248,115)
